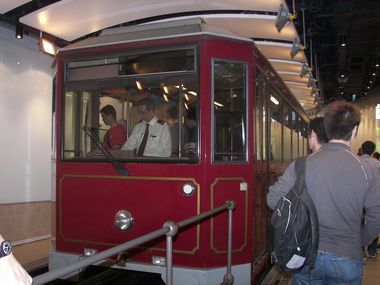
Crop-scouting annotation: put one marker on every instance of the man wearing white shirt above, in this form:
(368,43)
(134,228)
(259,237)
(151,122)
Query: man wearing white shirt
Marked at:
(151,136)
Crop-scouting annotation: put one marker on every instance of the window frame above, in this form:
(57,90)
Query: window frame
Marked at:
(213,119)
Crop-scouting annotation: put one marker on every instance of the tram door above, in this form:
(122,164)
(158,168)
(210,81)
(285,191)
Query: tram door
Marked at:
(230,168)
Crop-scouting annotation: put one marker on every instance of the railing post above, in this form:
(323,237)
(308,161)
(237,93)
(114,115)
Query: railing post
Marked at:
(170,228)
(173,229)
(228,278)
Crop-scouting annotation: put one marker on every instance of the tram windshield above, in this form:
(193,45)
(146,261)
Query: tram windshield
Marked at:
(108,101)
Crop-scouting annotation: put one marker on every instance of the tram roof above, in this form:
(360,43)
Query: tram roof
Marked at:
(155,31)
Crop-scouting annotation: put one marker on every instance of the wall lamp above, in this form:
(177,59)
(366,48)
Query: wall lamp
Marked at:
(283,17)
(19,31)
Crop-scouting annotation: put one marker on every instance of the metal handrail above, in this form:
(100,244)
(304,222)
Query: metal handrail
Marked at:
(169,229)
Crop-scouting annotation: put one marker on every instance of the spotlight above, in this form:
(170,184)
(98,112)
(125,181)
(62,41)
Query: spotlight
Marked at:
(311,82)
(304,70)
(342,40)
(283,17)
(296,47)
(47,47)
(19,31)
(314,90)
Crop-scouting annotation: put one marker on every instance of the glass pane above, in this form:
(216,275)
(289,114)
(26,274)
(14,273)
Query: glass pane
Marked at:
(69,125)
(287,121)
(230,115)
(300,136)
(294,135)
(275,106)
(140,63)
(103,118)
(260,213)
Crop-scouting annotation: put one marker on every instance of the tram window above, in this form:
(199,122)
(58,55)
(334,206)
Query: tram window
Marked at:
(275,109)
(295,146)
(229,111)
(305,138)
(287,139)
(300,131)
(140,63)
(168,77)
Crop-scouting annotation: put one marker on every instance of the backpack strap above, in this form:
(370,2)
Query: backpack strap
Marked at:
(299,168)
(301,190)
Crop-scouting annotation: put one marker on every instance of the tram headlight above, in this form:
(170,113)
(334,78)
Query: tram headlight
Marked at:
(188,189)
(123,220)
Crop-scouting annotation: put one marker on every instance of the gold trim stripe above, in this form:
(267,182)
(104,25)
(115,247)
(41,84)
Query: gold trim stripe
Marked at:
(142,178)
(213,184)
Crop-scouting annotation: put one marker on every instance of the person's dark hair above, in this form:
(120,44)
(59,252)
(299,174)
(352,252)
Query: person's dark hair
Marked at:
(108,110)
(172,112)
(318,127)
(191,114)
(340,118)
(368,147)
(149,103)
(376,155)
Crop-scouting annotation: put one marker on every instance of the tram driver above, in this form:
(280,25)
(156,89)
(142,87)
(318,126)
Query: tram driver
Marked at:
(151,136)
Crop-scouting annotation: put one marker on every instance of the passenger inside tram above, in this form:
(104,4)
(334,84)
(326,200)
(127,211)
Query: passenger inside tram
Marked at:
(172,120)
(114,137)
(191,135)
(151,136)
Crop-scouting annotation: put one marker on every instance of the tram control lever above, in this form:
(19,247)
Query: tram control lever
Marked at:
(90,132)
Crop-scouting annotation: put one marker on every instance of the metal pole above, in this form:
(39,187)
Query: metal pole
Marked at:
(169,250)
(49,276)
(228,278)
(169,260)
(169,228)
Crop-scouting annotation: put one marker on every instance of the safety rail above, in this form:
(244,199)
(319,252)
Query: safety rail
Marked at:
(169,229)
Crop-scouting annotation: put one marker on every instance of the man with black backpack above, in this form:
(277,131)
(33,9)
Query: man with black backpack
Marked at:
(341,185)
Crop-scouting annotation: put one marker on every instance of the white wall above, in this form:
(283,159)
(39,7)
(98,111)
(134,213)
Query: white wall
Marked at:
(25,119)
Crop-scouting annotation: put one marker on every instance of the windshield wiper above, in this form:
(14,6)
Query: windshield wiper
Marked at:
(109,156)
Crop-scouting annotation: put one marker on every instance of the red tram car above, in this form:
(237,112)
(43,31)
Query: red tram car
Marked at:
(249,126)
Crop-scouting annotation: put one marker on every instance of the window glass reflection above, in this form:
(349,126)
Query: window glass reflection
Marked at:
(100,116)
(229,111)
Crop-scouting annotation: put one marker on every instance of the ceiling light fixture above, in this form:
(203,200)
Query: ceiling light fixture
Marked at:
(283,17)
(296,48)
(311,82)
(47,47)
(304,70)
(342,40)
(19,31)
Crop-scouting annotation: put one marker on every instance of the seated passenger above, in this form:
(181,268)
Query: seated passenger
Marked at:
(115,137)
(191,132)
(151,136)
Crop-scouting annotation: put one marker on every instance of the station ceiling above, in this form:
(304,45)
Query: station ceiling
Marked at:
(349,71)
(68,21)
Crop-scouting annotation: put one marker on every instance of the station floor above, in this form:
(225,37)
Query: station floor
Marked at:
(371,274)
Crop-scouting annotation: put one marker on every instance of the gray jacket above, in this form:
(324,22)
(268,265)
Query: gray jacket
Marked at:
(341,185)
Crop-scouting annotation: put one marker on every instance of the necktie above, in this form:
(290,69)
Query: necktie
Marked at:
(143,142)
